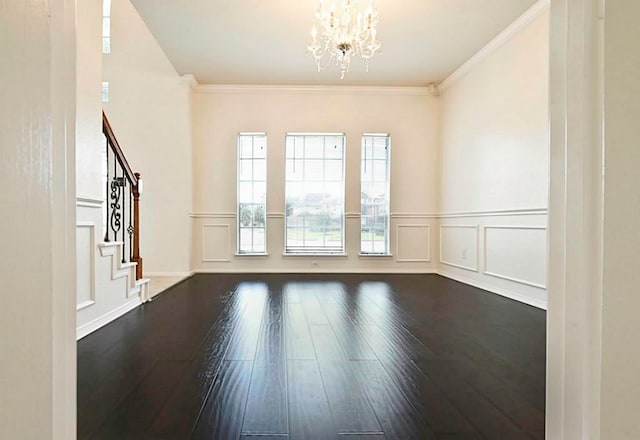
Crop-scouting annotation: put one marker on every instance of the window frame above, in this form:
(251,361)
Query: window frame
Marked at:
(387,223)
(239,227)
(316,251)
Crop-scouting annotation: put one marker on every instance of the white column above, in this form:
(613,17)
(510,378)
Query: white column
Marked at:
(37,177)
(575,221)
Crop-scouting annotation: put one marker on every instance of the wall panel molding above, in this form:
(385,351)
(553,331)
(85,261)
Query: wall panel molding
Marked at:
(502,275)
(225,245)
(400,248)
(476,249)
(91,258)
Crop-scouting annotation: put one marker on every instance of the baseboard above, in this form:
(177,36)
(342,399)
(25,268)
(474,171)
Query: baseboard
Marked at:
(498,291)
(105,319)
(311,272)
(167,274)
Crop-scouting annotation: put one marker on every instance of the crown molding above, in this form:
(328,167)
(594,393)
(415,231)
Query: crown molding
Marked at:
(510,31)
(430,90)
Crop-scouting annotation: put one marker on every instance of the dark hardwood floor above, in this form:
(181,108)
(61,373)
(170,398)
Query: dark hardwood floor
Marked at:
(350,357)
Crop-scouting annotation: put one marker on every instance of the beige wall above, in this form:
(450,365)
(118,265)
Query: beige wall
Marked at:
(221,113)
(494,160)
(621,251)
(89,138)
(149,112)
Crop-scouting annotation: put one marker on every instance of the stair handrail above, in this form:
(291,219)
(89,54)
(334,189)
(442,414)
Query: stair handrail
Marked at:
(134,199)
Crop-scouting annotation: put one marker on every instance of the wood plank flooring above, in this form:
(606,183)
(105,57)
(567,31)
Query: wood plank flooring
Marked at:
(343,357)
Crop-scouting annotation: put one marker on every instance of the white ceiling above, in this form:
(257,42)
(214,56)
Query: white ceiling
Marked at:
(264,41)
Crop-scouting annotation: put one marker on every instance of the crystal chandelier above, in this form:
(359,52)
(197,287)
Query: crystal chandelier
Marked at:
(341,32)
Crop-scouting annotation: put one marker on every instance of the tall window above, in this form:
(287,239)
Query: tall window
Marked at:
(314,193)
(374,194)
(252,193)
(106,26)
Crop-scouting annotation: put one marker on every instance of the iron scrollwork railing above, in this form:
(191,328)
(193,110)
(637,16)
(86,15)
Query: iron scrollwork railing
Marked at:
(123,188)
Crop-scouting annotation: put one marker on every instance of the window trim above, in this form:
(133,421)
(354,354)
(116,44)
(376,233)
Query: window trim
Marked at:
(239,252)
(387,252)
(315,252)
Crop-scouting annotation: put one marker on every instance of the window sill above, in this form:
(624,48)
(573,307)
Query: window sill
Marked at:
(375,255)
(296,255)
(264,254)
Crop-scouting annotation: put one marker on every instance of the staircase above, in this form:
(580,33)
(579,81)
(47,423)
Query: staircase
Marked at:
(110,281)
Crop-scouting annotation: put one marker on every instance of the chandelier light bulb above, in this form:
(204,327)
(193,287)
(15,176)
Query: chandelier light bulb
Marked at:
(343,33)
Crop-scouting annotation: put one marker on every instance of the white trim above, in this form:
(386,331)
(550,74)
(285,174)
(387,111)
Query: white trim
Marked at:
(509,32)
(318,271)
(216,260)
(167,274)
(412,215)
(496,290)
(495,213)
(341,255)
(413,260)
(105,319)
(416,215)
(89,202)
(506,277)
(460,266)
(280,89)
(212,214)
(84,305)
(191,80)
(374,256)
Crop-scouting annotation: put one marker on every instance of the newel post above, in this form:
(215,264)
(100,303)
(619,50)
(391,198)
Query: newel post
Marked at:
(137,189)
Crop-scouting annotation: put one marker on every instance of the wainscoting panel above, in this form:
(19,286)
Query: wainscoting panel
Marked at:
(216,243)
(459,246)
(85,265)
(413,243)
(516,253)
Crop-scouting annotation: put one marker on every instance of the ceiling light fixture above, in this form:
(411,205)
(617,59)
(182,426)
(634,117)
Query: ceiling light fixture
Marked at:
(341,32)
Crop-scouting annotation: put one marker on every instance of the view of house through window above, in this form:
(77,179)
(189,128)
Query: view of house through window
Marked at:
(314,193)
(252,193)
(374,194)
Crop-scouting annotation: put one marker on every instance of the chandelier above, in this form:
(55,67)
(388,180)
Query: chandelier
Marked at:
(341,32)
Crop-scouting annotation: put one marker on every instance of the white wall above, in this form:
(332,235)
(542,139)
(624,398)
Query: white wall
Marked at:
(410,116)
(37,260)
(494,160)
(149,113)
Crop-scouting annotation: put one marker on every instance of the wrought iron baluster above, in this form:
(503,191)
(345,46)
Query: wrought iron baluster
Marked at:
(130,228)
(106,232)
(116,216)
(123,187)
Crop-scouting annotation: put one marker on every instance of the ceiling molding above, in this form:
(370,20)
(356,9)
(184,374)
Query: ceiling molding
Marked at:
(188,78)
(514,28)
(431,90)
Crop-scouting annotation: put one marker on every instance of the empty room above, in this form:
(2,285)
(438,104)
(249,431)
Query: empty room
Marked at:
(320,219)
